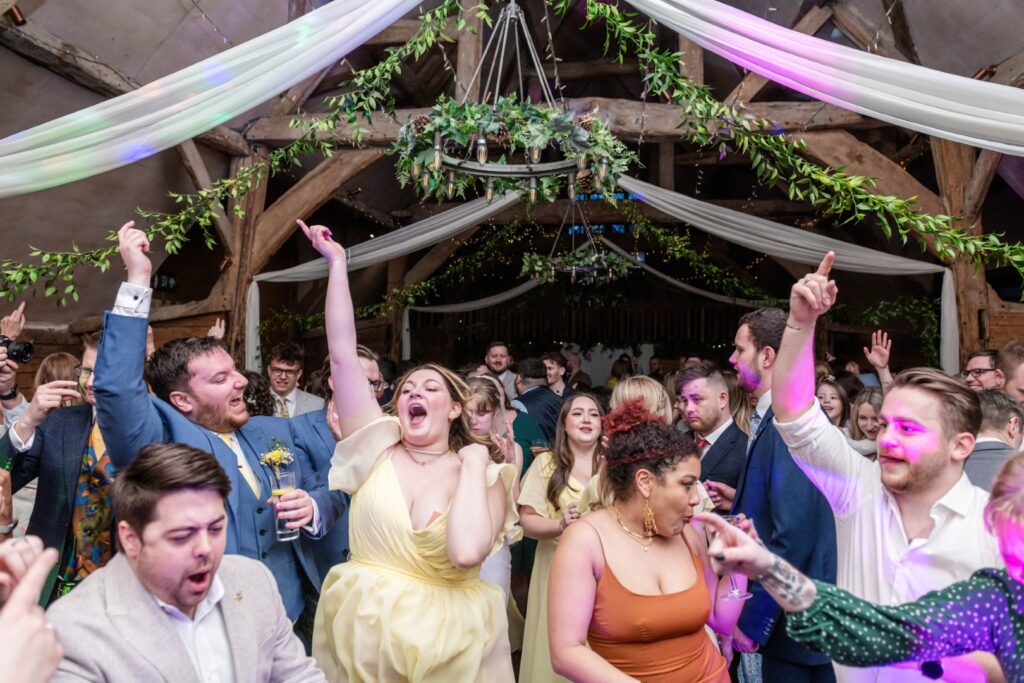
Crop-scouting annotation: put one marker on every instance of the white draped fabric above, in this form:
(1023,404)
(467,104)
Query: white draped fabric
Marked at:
(978,113)
(184,104)
(404,241)
(804,247)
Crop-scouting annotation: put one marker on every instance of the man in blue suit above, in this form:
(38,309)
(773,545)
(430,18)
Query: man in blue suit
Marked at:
(791,516)
(199,402)
(312,433)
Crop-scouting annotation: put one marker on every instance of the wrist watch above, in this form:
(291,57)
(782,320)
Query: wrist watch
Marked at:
(10,394)
(8,528)
(932,670)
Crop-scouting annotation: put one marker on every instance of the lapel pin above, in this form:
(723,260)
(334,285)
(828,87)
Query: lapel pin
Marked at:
(238,596)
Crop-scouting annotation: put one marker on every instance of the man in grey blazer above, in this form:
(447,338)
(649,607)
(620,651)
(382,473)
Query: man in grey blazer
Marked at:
(285,371)
(170,606)
(1000,436)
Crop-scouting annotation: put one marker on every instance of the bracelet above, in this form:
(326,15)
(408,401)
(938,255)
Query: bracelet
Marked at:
(562,524)
(8,528)
(10,394)
(793,327)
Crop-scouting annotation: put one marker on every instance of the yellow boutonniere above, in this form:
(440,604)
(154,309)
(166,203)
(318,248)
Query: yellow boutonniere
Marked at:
(277,457)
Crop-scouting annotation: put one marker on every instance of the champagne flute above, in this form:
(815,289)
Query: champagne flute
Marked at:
(734,591)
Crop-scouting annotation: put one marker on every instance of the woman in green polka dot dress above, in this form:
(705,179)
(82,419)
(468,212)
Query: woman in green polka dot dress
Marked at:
(984,613)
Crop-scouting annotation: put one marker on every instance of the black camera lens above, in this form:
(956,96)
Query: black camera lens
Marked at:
(18,351)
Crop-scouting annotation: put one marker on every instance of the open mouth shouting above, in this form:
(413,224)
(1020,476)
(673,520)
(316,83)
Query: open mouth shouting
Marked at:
(417,414)
(200,581)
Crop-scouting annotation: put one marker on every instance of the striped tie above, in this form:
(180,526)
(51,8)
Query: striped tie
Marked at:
(282,408)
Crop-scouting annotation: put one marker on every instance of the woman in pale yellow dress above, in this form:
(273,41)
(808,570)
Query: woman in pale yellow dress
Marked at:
(548,503)
(429,504)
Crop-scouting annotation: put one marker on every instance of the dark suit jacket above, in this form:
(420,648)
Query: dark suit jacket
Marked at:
(985,461)
(56,458)
(725,459)
(313,436)
(130,419)
(543,405)
(795,522)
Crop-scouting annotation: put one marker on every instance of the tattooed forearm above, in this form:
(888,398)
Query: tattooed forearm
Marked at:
(792,590)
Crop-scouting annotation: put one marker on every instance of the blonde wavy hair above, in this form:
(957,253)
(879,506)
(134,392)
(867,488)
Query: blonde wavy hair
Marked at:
(650,392)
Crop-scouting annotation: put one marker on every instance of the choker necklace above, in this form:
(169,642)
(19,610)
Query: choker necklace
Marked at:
(435,455)
(639,538)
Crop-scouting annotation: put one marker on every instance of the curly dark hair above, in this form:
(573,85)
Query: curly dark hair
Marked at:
(640,440)
(258,395)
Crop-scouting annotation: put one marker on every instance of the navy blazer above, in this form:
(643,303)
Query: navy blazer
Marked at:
(795,521)
(55,457)
(130,419)
(312,435)
(543,405)
(725,459)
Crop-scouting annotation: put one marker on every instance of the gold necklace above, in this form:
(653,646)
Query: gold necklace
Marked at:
(639,538)
(437,455)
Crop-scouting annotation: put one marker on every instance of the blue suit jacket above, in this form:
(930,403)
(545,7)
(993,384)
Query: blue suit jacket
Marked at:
(795,522)
(130,419)
(55,457)
(312,435)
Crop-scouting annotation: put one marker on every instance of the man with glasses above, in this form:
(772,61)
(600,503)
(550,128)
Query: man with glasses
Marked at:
(285,370)
(980,371)
(63,447)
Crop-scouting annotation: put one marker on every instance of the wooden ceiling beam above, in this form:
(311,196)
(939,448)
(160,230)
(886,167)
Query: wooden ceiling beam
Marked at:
(862,32)
(627,118)
(471,47)
(200,175)
(753,82)
(43,48)
(587,69)
(692,56)
(403,30)
(314,189)
(437,256)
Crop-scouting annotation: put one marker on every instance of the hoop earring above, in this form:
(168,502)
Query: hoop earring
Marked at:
(650,528)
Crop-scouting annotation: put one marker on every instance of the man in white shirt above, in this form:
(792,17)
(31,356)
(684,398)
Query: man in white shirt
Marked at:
(285,371)
(704,402)
(171,606)
(910,522)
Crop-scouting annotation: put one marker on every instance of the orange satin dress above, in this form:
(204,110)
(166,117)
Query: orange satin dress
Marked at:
(656,638)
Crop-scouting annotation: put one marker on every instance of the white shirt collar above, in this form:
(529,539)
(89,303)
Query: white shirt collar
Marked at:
(957,500)
(764,403)
(714,436)
(989,439)
(289,397)
(208,604)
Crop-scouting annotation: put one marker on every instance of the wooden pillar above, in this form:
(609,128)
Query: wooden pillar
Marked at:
(954,168)
(396,279)
(693,60)
(239,273)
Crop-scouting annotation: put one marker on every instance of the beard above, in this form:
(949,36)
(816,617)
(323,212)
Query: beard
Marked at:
(217,417)
(915,476)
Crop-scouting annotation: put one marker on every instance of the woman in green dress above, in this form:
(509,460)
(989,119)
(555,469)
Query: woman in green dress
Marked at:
(985,613)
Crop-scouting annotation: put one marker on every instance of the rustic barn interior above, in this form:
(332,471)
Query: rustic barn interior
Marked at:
(59,57)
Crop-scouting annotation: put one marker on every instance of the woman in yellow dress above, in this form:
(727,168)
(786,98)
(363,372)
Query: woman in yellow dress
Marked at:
(429,504)
(548,503)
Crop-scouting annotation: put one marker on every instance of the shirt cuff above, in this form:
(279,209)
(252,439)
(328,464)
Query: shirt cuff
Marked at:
(19,445)
(132,301)
(313,528)
(14,414)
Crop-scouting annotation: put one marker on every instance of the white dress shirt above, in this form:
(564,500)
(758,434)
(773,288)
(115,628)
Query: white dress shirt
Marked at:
(713,437)
(876,560)
(205,637)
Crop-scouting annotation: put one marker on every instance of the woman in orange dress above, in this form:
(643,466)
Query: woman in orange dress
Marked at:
(632,580)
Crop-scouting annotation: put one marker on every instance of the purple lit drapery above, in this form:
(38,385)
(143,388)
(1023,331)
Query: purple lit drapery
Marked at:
(978,113)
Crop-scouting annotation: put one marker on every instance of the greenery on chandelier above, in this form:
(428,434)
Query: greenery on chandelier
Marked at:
(518,128)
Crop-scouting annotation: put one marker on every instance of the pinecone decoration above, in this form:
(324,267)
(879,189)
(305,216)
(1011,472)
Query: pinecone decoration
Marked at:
(585,181)
(420,123)
(585,121)
(501,136)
